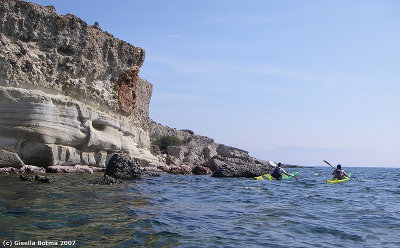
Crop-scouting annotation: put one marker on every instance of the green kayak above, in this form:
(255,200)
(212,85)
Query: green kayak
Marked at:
(269,177)
(335,180)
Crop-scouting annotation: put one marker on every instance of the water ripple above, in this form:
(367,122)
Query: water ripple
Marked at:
(200,211)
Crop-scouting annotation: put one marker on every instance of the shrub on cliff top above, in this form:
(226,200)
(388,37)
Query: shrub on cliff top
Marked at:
(167,140)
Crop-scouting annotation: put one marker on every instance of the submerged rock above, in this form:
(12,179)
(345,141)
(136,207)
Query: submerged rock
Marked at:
(43,179)
(107,180)
(26,178)
(36,178)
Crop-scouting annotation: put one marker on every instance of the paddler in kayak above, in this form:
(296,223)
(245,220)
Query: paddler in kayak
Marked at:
(277,173)
(339,173)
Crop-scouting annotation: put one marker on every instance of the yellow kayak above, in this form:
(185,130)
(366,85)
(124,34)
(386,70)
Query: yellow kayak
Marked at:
(269,177)
(335,180)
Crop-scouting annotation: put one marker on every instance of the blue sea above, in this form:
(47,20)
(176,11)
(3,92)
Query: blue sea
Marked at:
(202,211)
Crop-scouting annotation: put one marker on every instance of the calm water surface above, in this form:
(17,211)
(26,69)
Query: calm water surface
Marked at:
(201,211)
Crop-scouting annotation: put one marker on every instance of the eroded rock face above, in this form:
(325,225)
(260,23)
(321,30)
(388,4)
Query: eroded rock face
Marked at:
(41,48)
(46,129)
(126,89)
(69,92)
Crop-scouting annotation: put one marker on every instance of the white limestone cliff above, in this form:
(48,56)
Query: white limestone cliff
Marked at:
(69,92)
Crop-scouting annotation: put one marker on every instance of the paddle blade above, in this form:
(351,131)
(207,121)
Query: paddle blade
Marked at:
(327,162)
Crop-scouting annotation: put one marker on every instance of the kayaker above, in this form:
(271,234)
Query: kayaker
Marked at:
(277,173)
(339,173)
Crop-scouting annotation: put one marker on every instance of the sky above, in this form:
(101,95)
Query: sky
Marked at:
(289,81)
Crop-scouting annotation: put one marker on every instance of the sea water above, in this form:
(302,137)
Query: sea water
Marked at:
(202,211)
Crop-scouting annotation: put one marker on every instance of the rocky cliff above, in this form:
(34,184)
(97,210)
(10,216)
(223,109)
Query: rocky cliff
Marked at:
(222,160)
(69,92)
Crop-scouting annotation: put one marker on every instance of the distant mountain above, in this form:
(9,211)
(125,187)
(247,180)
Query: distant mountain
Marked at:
(314,157)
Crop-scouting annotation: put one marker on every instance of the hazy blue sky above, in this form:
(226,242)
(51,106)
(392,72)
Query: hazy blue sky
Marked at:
(290,81)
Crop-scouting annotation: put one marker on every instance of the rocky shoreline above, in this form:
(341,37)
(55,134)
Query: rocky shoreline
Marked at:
(71,100)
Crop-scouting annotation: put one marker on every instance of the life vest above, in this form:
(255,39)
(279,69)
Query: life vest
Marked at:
(338,174)
(277,173)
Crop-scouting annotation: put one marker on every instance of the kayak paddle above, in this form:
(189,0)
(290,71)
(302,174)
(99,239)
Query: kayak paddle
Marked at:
(329,164)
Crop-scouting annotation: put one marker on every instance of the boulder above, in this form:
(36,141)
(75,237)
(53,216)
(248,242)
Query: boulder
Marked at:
(9,170)
(181,170)
(30,169)
(122,166)
(69,169)
(201,170)
(236,167)
(10,159)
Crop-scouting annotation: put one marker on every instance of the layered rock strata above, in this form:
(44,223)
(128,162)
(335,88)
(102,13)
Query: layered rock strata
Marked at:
(69,92)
